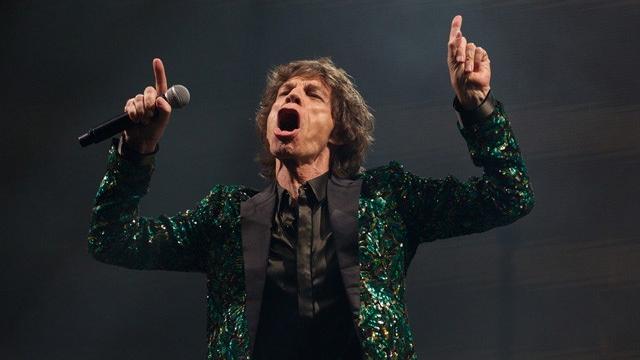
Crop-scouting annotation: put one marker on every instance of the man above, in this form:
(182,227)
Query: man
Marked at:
(313,266)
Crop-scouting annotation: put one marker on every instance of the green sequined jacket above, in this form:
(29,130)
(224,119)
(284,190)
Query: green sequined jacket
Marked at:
(378,220)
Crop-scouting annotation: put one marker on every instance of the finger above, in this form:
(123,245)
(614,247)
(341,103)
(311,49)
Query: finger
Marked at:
(480,54)
(130,109)
(161,77)
(150,95)
(456,24)
(461,50)
(469,57)
(126,105)
(453,47)
(139,105)
(163,105)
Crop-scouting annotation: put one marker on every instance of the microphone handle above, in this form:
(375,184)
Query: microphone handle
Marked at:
(107,129)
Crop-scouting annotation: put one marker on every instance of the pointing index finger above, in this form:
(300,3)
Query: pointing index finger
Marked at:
(456,24)
(161,77)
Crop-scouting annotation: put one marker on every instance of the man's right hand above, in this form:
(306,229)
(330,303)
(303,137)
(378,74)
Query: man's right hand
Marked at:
(149,112)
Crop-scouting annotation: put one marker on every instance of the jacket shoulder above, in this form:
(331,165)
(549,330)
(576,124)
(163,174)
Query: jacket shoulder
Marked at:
(234,191)
(228,195)
(383,179)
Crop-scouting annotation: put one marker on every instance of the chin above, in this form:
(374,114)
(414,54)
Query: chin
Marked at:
(283,152)
(283,155)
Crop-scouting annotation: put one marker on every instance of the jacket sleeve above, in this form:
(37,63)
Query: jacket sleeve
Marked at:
(118,236)
(442,208)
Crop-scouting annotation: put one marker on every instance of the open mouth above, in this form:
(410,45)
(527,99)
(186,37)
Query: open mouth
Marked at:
(288,124)
(288,119)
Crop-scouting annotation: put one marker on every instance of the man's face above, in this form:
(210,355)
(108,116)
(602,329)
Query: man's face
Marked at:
(300,122)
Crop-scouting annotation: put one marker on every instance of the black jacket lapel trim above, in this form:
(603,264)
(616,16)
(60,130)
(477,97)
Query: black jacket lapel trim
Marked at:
(343,197)
(255,215)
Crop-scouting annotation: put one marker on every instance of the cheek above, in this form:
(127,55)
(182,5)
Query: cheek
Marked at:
(326,126)
(268,131)
(271,121)
(320,133)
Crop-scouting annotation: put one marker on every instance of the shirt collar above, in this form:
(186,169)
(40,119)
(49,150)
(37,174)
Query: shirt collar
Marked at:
(318,187)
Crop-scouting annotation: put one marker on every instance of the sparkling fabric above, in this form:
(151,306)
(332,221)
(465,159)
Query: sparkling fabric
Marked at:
(397,212)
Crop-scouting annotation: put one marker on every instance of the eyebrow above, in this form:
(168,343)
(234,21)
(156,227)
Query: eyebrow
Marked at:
(314,87)
(308,87)
(287,86)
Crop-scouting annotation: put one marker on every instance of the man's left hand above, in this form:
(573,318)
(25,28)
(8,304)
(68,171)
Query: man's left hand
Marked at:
(469,68)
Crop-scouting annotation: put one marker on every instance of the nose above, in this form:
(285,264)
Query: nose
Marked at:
(293,98)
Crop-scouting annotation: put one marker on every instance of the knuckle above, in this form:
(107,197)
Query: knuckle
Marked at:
(149,101)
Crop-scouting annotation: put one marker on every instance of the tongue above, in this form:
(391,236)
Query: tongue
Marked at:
(285,134)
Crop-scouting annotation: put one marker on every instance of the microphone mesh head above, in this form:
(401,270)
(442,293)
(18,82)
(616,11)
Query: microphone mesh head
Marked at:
(178,96)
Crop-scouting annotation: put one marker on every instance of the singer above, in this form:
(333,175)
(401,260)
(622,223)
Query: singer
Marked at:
(313,266)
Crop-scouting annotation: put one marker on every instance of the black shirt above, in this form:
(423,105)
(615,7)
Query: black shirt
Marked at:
(305,313)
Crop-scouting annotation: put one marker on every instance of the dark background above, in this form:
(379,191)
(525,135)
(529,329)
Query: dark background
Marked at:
(561,283)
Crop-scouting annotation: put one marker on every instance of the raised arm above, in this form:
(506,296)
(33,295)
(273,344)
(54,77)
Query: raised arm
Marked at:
(117,234)
(442,208)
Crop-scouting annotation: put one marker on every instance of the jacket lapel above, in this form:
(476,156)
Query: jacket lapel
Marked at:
(343,197)
(255,215)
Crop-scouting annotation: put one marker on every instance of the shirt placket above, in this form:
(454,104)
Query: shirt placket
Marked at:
(303,254)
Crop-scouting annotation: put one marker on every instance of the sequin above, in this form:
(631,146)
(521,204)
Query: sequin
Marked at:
(397,212)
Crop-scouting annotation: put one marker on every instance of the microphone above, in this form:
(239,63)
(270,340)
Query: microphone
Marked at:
(177,96)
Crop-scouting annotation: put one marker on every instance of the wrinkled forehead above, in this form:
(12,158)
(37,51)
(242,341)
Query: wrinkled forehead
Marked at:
(315,81)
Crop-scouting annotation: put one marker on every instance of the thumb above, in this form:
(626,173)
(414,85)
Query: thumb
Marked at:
(164,109)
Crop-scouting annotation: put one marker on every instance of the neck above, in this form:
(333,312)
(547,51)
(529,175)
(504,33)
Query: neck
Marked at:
(291,173)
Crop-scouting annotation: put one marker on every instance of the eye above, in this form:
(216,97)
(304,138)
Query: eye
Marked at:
(284,91)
